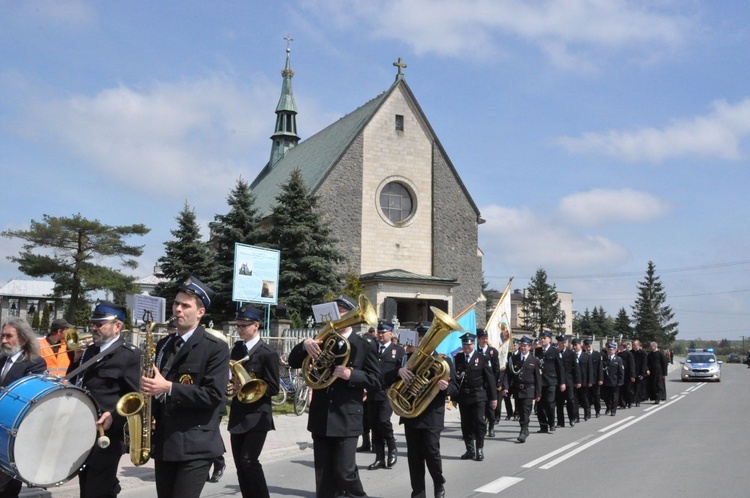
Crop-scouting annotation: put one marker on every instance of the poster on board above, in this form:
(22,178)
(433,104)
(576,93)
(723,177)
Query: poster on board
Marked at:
(256,274)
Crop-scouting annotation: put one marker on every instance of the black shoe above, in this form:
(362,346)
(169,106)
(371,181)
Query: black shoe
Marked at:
(480,455)
(439,490)
(613,413)
(606,412)
(586,418)
(491,433)
(521,437)
(542,430)
(218,472)
(561,426)
(392,458)
(597,415)
(551,429)
(572,423)
(516,418)
(657,401)
(637,405)
(377,464)
(508,417)
(365,448)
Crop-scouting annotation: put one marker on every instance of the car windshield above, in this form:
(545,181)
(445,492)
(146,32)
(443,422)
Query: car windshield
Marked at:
(700,358)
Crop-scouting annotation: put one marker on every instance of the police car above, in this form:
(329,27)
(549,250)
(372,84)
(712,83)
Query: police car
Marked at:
(701,364)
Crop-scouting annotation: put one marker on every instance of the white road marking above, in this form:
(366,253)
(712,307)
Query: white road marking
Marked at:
(605,429)
(605,436)
(498,485)
(548,456)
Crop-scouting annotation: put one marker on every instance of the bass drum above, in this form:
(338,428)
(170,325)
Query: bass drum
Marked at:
(47,429)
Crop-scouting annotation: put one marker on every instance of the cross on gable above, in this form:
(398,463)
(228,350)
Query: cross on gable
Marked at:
(400,65)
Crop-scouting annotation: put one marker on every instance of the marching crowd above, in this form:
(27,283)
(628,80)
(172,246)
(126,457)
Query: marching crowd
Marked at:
(188,375)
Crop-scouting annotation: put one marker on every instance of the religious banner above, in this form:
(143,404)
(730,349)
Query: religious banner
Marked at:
(498,326)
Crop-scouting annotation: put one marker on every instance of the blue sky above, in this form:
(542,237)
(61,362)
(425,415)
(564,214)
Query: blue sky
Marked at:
(593,135)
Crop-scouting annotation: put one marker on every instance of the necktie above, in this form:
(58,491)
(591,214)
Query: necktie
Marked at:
(382,349)
(468,357)
(6,367)
(523,359)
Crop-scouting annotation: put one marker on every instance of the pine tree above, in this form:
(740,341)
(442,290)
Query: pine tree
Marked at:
(184,256)
(582,324)
(240,225)
(652,317)
(74,246)
(541,306)
(622,325)
(309,259)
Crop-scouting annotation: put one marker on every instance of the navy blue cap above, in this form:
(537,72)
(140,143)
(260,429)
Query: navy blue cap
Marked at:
(516,341)
(575,341)
(546,333)
(382,326)
(467,338)
(106,310)
(200,290)
(422,328)
(249,314)
(587,342)
(526,340)
(482,333)
(611,345)
(345,301)
(561,338)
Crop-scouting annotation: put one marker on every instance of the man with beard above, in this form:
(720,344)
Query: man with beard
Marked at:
(115,373)
(552,376)
(20,357)
(656,370)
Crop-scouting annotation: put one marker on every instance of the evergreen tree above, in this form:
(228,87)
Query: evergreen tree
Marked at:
(44,322)
(541,306)
(352,286)
(186,255)
(582,324)
(601,324)
(239,225)
(76,245)
(652,317)
(622,325)
(309,259)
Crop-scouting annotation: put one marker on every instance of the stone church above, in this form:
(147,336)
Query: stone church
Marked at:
(394,200)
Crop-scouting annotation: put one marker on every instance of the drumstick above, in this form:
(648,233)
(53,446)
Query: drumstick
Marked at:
(102,441)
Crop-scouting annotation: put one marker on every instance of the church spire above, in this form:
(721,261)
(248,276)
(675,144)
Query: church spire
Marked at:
(285,134)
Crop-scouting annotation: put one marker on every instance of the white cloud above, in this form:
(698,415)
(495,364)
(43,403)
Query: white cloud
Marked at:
(718,134)
(520,238)
(569,32)
(599,206)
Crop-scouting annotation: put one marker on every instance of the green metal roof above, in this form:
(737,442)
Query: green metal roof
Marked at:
(314,157)
(406,276)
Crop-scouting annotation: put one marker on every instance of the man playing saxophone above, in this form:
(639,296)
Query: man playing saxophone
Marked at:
(335,419)
(249,422)
(423,432)
(114,374)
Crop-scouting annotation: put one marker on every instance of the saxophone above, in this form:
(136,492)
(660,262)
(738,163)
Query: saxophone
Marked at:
(136,407)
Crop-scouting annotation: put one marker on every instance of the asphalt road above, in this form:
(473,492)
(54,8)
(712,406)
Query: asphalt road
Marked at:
(692,445)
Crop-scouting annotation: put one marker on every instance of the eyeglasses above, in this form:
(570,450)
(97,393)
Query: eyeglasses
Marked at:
(245,325)
(98,325)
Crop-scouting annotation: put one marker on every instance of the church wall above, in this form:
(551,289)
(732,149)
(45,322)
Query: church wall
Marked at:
(456,239)
(404,156)
(341,204)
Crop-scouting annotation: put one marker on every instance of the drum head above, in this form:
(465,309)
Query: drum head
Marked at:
(55,437)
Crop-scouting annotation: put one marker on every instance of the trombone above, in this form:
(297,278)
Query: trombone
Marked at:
(74,341)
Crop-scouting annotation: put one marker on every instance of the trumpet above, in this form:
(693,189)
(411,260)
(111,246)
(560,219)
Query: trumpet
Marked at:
(74,341)
(251,388)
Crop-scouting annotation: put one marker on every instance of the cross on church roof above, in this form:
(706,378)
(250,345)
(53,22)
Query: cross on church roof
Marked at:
(288,39)
(400,65)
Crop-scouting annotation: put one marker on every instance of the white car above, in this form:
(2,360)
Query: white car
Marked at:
(701,365)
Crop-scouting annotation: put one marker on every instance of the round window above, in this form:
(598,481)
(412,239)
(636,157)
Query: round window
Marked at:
(396,202)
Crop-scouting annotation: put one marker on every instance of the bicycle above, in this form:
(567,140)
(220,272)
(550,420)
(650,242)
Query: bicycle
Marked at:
(289,383)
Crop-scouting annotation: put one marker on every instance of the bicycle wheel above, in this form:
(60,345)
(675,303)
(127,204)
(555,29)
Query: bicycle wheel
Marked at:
(300,397)
(280,398)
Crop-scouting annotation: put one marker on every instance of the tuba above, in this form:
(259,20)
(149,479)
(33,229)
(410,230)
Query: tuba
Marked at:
(251,388)
(136,406)
(410,399)
(335,350)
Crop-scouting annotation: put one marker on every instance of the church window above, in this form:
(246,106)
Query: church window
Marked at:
(396,202)
(399,122)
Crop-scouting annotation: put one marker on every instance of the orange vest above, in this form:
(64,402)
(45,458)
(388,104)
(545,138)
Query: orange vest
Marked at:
(57,363)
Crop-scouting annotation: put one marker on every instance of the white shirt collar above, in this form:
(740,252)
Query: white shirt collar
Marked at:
(252,342)
(108,343)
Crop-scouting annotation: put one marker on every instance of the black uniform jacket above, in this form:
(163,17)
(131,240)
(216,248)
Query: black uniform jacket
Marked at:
(525,376)
(389,362)
(264,365)
(571,369)
(552,369)
(112,376)
(22,368)
(640,358)
(187,420)
(336,411)
(433,417)
(477,383)
(494,359)
(597,368)
(628,362)
(587,369)
(614,372)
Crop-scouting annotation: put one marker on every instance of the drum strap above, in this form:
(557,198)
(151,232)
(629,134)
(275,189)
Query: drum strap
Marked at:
(82,368)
